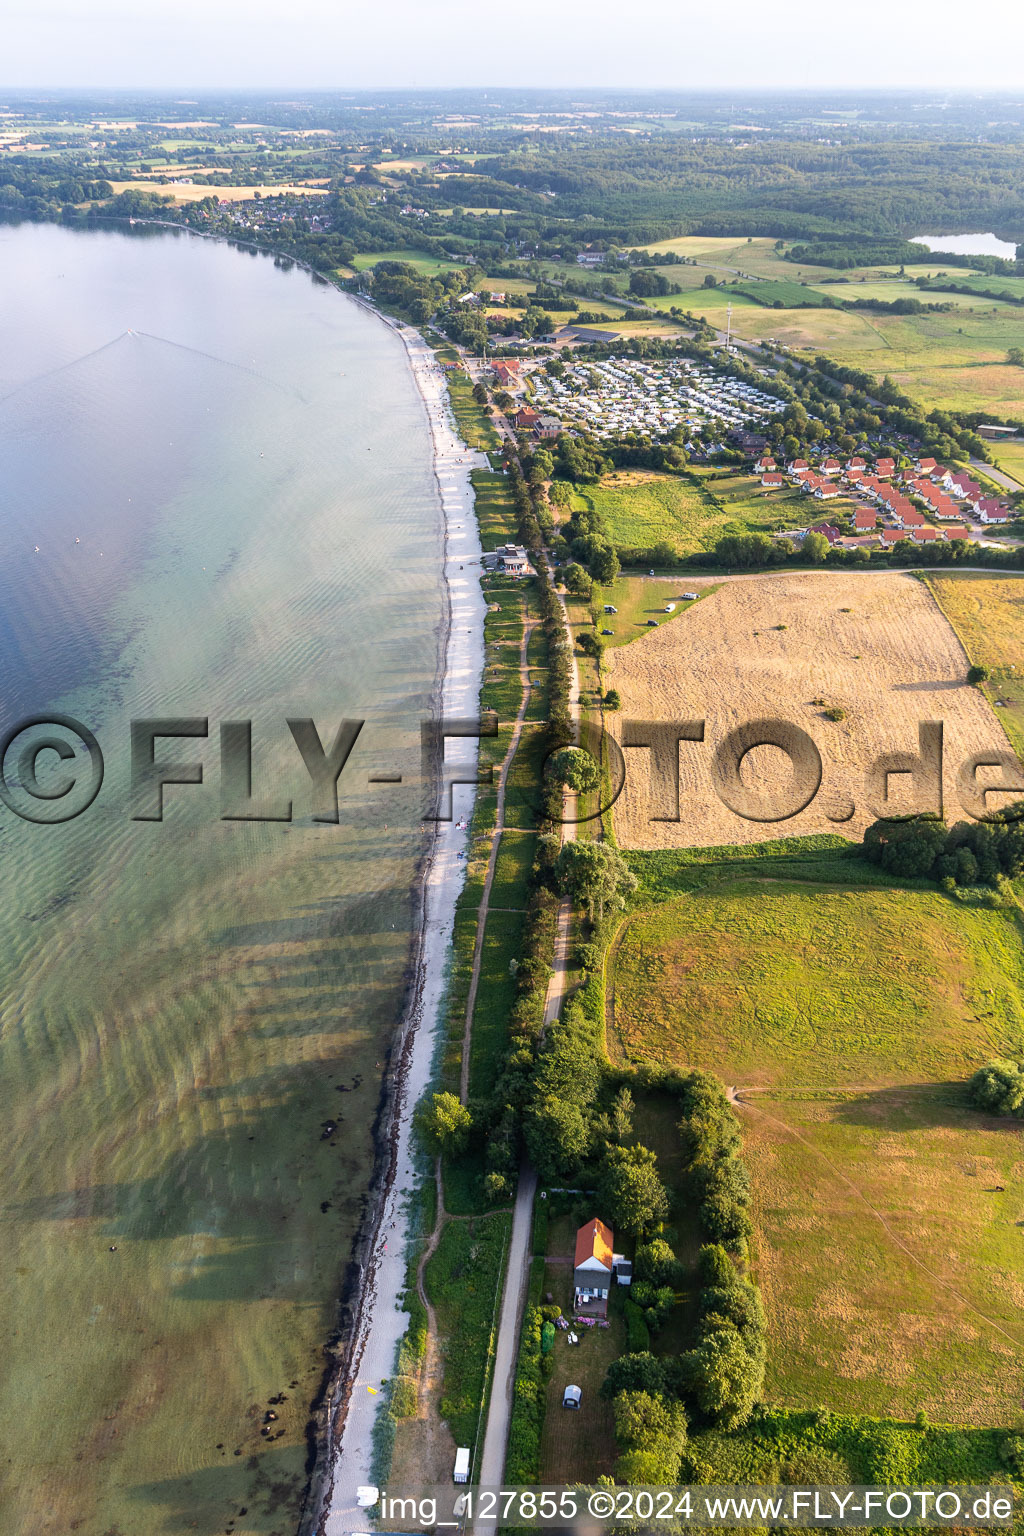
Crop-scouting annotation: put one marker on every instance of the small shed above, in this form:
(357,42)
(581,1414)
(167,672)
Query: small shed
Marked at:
(571,1397)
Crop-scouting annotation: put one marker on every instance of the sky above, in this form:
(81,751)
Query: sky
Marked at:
(680,44)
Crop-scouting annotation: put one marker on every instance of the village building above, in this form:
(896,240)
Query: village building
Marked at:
(592,1268)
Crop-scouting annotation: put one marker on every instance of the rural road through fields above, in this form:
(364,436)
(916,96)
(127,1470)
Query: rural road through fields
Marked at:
(998,475)
(499,1411)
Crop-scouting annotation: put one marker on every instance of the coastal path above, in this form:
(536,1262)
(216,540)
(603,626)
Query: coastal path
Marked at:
(499,828)
(517,1275)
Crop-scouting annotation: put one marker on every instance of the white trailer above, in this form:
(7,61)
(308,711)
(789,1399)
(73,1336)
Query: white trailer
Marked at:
(462,1464)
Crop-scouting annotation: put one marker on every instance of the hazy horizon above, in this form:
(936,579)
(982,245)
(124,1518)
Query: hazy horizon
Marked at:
(112,45)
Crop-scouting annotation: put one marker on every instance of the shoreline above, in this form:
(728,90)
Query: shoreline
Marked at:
(378,1320)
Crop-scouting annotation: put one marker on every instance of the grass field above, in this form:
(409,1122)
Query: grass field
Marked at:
(987,613)
(890,1263)
(638,599)
(1010,457)
(813,986)
(417,259)
(641,508)
(887,1216)
(463,1282)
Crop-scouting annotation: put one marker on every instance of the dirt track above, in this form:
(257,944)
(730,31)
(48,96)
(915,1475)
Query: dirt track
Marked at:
(875,646)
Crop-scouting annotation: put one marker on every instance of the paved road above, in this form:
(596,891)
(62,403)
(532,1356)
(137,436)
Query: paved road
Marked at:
(998,475)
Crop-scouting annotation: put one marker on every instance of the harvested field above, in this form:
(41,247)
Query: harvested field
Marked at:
(789,647)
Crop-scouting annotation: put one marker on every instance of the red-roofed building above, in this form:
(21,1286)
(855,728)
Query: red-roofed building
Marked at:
(832,534)
(592,1268)
(831,467)
(772,481)
(855,464)
(958,533)
(990,511)
(798,467)
(884,468)
(925,535)
(864,518)
(926,466)
(908,517)
(825,490)
(765,463)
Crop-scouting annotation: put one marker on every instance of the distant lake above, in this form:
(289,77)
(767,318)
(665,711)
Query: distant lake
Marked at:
(968,245)
(217,499)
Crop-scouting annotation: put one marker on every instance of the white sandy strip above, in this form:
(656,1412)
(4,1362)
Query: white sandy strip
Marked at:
(382,1322)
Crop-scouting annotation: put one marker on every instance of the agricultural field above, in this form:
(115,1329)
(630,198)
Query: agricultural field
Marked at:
(888,1232)
(193,193)
(816,986)
(987,613)
(954,360)
(848,1012)
(791,647)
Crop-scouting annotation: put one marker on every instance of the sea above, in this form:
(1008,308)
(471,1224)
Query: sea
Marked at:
(217,506)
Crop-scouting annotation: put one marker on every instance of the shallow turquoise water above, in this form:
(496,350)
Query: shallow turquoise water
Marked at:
(226,470)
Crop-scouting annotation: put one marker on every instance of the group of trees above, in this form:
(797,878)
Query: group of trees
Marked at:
(969,853)
(721,1377)
(585,538)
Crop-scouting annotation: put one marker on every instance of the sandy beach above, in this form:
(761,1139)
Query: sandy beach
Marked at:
(380,1321)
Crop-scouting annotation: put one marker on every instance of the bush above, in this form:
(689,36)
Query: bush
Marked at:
(528,1403)
(404,1398)
(977,674)
(998,1088)
(638,1336)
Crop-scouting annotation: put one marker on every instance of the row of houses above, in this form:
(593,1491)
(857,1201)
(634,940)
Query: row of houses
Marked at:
(917,533)
(949,495)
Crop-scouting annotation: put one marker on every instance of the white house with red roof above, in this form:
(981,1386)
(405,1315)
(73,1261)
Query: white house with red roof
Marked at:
(991,511)
(884,468)
(773,481)
(592,1268)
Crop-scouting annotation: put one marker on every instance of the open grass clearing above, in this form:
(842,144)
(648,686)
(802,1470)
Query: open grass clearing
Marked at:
(1010,459)
(889,1262)
(987,613)
(638,600)
(463,1280)
(578,1444)
(810,984)
(875,645)
(428,265)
